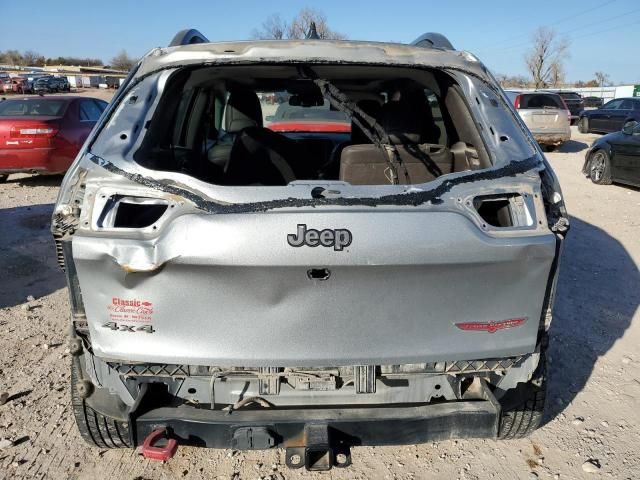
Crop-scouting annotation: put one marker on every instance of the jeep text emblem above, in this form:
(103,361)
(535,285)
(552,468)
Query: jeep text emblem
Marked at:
(338,238)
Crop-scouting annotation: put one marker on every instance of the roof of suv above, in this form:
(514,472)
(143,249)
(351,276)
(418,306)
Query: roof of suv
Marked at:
(421,52)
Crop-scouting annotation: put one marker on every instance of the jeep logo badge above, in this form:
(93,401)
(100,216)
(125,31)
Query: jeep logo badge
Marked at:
(338,238)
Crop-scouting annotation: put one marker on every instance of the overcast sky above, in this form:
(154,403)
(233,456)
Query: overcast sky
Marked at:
(604,34)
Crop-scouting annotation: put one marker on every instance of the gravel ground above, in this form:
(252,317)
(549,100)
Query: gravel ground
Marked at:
(592,427)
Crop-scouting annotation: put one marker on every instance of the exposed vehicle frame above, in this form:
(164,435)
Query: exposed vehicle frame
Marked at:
(313,384)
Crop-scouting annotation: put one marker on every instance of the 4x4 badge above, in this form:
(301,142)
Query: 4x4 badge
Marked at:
(338,238)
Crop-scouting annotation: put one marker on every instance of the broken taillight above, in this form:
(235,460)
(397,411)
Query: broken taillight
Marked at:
(491,327)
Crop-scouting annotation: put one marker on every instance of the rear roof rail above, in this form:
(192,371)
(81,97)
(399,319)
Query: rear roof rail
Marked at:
(188,36)
(433,40)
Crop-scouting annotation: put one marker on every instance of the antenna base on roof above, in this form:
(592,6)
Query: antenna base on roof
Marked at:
(312,34)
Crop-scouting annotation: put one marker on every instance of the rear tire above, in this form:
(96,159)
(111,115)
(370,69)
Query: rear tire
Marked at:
(523,406)
(600,168)
(96,429)
(583,125)
(3,178)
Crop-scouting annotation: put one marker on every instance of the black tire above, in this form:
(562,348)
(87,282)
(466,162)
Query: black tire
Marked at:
(3,178)
(96,429)
(583,125)
(600,168)
(523,407)
(549,148)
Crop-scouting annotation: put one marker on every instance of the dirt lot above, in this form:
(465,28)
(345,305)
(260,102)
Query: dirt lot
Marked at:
(593,411)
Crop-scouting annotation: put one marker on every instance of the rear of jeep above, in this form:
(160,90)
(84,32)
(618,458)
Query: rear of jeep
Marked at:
(384,278)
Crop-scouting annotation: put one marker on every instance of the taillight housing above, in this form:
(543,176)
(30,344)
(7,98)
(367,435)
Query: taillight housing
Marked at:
(516,102)
(36,130)
(566,108)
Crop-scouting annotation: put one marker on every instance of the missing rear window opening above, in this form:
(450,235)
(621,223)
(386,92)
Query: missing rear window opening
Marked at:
(271,125)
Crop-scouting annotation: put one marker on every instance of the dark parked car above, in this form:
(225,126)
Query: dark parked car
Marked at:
(610,117)
(593,102)
(51,84)
(615,157)
(44,134)
(574,103)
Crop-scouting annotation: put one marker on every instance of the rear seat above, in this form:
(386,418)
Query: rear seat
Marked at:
(408,128)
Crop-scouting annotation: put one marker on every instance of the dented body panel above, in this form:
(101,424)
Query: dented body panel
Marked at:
(383,302)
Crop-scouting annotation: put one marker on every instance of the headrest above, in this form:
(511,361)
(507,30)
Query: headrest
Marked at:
(243,110)
(403,121)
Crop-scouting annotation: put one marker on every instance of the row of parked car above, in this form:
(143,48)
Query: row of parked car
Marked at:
(47,84)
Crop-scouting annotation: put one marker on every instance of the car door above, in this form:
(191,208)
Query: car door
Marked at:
(625,160)
(620,115)
(599,119)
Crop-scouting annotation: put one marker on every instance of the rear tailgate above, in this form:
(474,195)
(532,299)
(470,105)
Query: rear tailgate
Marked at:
(547,120)
(231,290)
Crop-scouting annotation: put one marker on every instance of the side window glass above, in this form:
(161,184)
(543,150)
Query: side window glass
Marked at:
(612,105)
(626,105)
(89,111)
(101,105)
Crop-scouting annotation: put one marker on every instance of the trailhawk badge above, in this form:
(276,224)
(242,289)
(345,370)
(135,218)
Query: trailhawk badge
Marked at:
(338,238)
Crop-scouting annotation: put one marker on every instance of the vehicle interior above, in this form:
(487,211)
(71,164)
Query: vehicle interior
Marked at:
(407,126)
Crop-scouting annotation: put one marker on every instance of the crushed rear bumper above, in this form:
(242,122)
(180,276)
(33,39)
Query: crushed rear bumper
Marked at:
(552,138)
(321,438)
(358,426)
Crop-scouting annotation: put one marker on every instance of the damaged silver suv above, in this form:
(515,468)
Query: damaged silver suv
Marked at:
(309,245)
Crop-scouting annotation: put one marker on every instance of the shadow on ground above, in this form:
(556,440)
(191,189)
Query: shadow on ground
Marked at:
(598,294)
(27,254)
(572,146)
(36,180)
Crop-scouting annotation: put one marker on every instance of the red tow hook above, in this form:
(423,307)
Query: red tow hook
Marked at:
(149,450)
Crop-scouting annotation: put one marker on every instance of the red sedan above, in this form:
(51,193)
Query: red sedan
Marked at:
(44,134)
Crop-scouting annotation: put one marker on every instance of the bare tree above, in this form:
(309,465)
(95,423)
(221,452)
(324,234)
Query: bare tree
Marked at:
(602,78)
(273,28)
(301,24)
(11,57)
(546,57)
(123,61)
(557,74)
(32,59)
(512,81)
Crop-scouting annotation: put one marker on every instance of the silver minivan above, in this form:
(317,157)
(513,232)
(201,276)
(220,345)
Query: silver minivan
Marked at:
(546,115)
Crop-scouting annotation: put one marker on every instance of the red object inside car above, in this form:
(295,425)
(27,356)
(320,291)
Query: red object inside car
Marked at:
(337,127)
